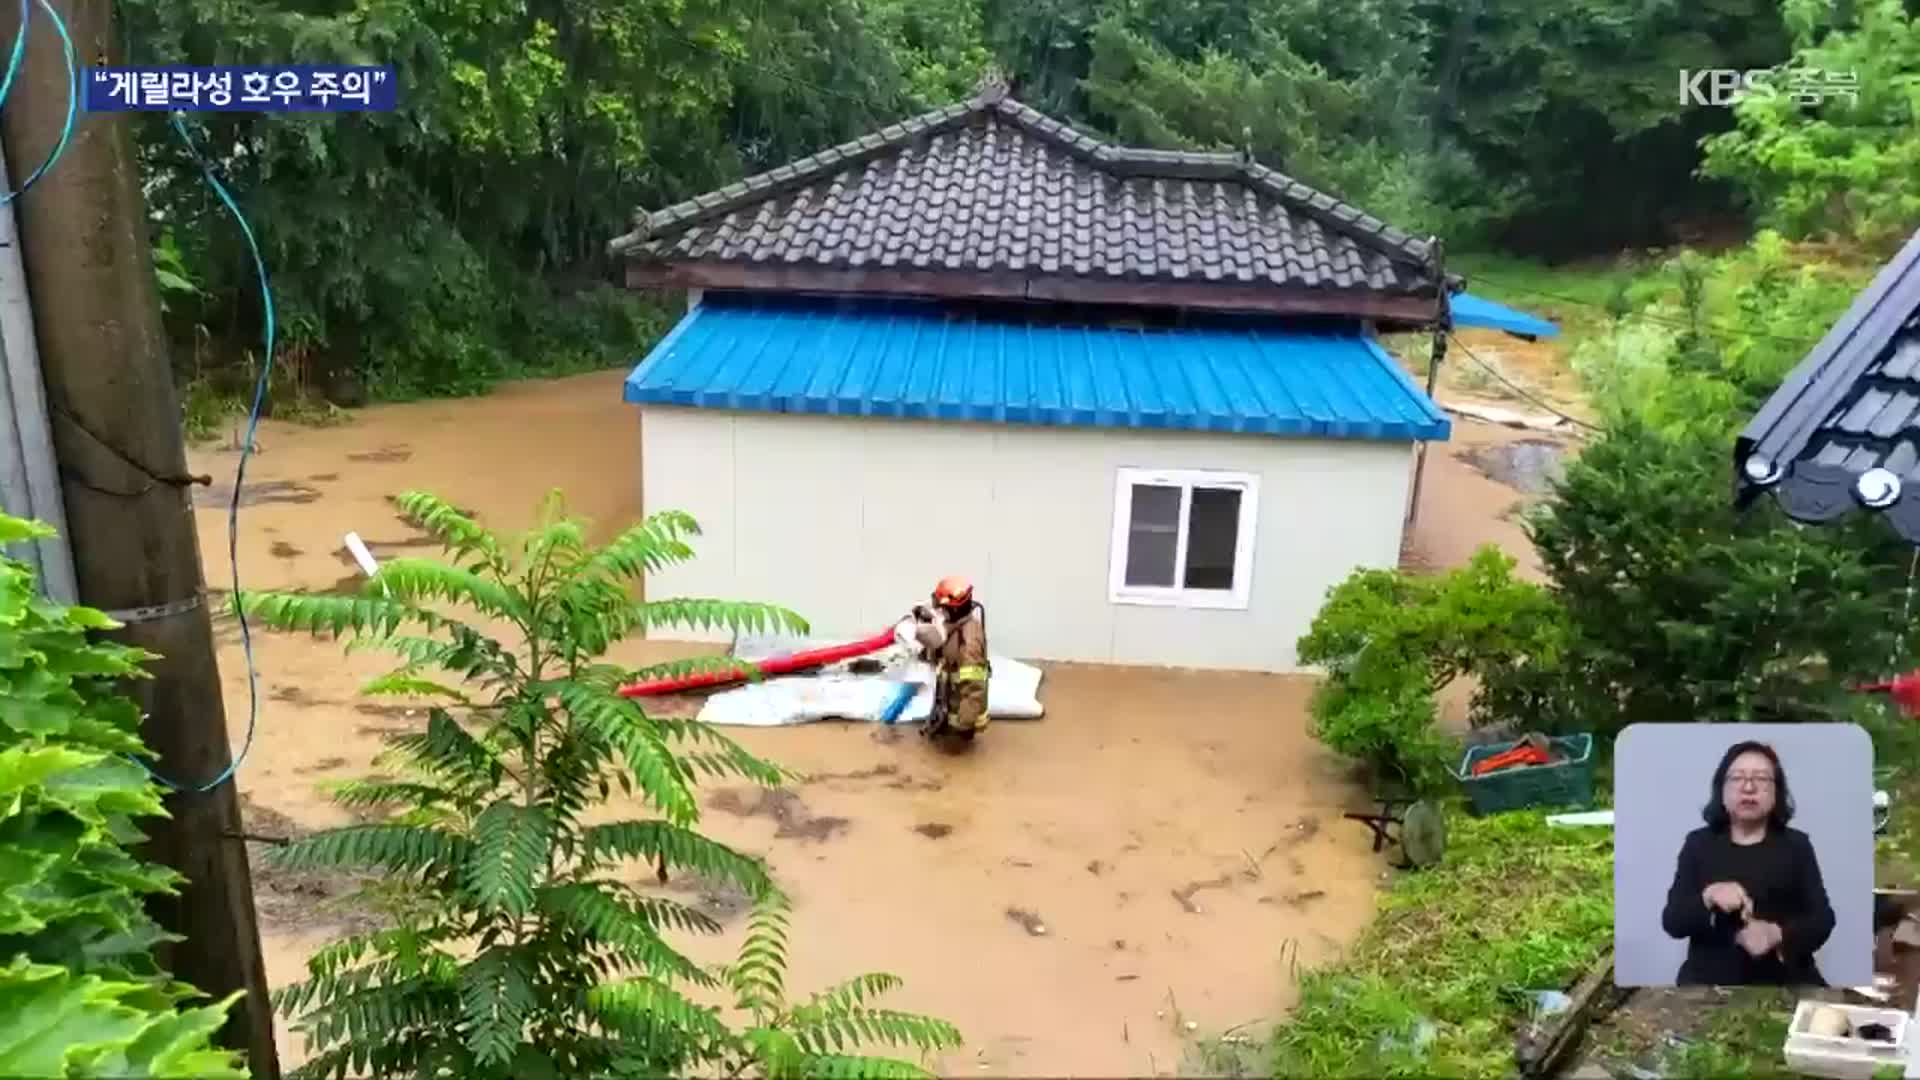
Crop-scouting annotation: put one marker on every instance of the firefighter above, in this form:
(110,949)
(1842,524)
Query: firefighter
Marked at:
(960,663)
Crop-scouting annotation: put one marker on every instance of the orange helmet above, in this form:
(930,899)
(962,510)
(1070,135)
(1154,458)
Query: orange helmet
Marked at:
(953,591)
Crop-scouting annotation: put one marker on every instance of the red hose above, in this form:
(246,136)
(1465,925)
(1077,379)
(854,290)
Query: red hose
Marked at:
(775,665)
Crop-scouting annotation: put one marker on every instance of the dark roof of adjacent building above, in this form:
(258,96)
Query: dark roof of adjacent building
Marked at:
(992,199)
(1843,431)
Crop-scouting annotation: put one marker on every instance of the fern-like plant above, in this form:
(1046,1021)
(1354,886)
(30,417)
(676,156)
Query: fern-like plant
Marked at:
(80,993)
(522,948)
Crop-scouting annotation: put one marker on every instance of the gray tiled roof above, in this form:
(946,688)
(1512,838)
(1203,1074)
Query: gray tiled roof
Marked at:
(994,186)
(1850,410)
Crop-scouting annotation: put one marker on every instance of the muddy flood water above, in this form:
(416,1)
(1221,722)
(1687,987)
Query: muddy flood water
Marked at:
(1086,894)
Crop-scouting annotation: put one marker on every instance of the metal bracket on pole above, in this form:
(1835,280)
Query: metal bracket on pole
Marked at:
(154,612)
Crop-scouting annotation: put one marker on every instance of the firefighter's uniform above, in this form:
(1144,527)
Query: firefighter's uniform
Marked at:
(960,664)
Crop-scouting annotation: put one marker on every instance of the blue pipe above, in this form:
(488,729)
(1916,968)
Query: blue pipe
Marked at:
(899,703)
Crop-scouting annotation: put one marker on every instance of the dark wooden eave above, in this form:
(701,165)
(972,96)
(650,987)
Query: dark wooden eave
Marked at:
(1407,310)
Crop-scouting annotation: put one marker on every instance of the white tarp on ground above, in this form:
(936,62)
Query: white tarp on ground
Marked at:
(835,693)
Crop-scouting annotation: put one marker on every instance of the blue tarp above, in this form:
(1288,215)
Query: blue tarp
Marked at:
(923,359)
(1471,310)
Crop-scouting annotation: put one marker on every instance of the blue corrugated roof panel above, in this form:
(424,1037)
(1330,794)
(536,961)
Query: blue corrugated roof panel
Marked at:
(950,362)
(1471,310)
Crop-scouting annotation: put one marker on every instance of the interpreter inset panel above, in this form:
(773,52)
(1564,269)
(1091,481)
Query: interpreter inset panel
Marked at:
(1743,855)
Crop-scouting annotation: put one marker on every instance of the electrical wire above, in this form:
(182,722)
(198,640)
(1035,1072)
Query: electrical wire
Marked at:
(73,95)
(19,50)
(240,472)
(1491,370)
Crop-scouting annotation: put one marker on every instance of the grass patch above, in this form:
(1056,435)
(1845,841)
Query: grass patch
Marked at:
(212,408)
(1896,758)
(1437,985)
(1742,1038)
(206,412)
(1581,296)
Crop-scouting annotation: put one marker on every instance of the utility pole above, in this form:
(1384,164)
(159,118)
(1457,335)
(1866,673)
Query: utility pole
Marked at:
(1442,326)
(123,477)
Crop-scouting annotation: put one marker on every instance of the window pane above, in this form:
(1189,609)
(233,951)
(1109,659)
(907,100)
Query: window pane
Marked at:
(1153,535)
(1213,535)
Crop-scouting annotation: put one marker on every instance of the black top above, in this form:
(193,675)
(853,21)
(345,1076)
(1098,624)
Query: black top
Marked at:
(1782,877)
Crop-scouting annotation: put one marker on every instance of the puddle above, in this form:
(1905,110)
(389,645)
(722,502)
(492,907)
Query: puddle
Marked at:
(784,807)
(718,899)
(300,899)
(891,773)
(385,455)
(1529,466)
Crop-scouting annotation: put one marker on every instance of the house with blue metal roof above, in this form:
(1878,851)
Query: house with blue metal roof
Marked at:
(1135,395)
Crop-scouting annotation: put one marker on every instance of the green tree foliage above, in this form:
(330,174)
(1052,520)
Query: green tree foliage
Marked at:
(1554,131)
(1839,165)
(940,46)
(1047,47)
(1329,93)
(80,993)
(436,248)
(522,949)
(1574,114)
(1389,641)
(459,239)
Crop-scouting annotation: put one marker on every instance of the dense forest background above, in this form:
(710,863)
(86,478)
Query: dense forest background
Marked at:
(459,240)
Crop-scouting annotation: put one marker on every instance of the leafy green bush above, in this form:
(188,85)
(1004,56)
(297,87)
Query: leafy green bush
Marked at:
(1683,608)
(1390,641)
(79,1027)
(80,994)
(1711,337)
(520,950)
(597,328)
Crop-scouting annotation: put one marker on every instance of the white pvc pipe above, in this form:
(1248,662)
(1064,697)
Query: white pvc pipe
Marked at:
(358,549)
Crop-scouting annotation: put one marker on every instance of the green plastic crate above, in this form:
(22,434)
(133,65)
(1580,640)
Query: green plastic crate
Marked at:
(1565,783)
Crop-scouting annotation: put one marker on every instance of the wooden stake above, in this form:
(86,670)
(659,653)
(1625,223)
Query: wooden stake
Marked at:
(1541,1053)
(123,476)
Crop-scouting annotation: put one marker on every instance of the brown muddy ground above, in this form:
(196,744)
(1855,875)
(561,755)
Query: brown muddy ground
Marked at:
(1163,849)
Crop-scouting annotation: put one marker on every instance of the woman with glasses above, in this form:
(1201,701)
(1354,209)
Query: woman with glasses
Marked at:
(1747,895)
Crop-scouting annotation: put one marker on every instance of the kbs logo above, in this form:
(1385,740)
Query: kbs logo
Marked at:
(1727,87)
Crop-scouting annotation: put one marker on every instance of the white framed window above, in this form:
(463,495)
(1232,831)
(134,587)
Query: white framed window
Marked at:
(1183,537)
